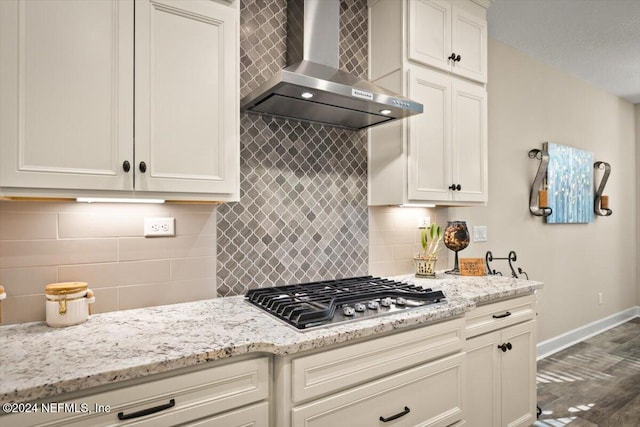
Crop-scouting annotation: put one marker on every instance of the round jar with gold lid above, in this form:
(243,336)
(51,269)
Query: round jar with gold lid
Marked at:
(68,303)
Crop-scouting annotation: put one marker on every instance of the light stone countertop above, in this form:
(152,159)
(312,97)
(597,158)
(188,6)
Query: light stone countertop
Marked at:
(37,362)
(478,290)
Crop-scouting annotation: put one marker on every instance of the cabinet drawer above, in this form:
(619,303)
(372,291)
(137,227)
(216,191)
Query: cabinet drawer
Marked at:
(330,371)
(253,416)
(196,394)
(489,317)
(430,395)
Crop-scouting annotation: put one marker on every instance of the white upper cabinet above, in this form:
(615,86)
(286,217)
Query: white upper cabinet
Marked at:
(469,143)
(77,120)
(187,107)
(439,156)
(429,147)
(451,36)
(447,152)
(66,94)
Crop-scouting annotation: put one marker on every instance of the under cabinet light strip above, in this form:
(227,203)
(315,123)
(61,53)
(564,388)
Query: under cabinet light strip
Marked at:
(417,205)
(116,200)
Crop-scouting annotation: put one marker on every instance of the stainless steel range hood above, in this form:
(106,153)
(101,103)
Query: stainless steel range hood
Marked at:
(313,88)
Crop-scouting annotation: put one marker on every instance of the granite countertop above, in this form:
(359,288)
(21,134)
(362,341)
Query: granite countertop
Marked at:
(478,290)
(37,362)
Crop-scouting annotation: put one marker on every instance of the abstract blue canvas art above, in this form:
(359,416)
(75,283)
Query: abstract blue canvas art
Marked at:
(570,184)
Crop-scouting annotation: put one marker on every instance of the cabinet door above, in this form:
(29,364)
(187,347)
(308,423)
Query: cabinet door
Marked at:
(429,32)
(187,107)
(469,141)
(429,151)
(469,40)
(66,94)
(518,381)
(482,385)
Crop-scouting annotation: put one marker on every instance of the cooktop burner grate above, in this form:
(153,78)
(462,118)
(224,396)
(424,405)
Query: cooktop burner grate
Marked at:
(321,303)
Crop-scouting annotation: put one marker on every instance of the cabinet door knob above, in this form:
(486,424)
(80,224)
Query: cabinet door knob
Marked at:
(505,346)
(457,58)
(126,166)
(455,187)
(142,167)
(452,57)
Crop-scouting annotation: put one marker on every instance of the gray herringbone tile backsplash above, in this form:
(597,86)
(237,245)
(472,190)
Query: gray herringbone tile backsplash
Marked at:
(302,214)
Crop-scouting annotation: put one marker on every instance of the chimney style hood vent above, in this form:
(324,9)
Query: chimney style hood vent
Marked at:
(313,89)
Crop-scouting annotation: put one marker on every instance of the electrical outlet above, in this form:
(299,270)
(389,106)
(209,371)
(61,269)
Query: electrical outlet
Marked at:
(600,298)
(479,233)
(159,227)
(424,222)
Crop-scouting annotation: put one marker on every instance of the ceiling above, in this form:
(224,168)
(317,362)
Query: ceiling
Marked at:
(595,40)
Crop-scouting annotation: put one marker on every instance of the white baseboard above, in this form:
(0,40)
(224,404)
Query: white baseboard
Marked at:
(555,344)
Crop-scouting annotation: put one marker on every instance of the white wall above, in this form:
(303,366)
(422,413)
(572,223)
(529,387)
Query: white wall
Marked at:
(530,103)
(638,198)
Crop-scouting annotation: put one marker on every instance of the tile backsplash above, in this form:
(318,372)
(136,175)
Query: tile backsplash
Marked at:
(302,214)
(48,242)
(394,238)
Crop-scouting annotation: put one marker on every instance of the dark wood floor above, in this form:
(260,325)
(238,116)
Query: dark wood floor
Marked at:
(593,383)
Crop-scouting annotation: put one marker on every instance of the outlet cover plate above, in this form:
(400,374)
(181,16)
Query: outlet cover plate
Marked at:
(159,227)
(424,221)
(479,233)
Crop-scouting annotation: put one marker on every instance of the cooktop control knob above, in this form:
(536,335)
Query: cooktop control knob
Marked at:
(360,307)
(348,311)
(385,302)
(401,301)
(373,305)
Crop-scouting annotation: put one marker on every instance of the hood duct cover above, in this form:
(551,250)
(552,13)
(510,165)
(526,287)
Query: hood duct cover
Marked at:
(313,89)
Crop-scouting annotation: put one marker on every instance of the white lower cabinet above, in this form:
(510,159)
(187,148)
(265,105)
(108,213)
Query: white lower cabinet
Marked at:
(224,395)
(428,395)
(251,416)
(500,384)
(410,378)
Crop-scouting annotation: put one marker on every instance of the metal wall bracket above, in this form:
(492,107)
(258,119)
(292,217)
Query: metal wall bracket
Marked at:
(598,196)
(543,156)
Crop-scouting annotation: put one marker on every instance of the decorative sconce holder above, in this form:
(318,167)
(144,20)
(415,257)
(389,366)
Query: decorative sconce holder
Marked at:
(536,186)
(600,202)
(511,257)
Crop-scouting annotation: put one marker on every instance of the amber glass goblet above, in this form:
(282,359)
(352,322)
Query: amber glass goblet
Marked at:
(456,238)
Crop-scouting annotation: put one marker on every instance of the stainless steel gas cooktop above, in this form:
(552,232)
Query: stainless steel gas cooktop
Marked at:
(329,302)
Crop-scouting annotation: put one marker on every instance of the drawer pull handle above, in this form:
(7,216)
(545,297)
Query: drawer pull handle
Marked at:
(148,411)
(502,316)
(396,416)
